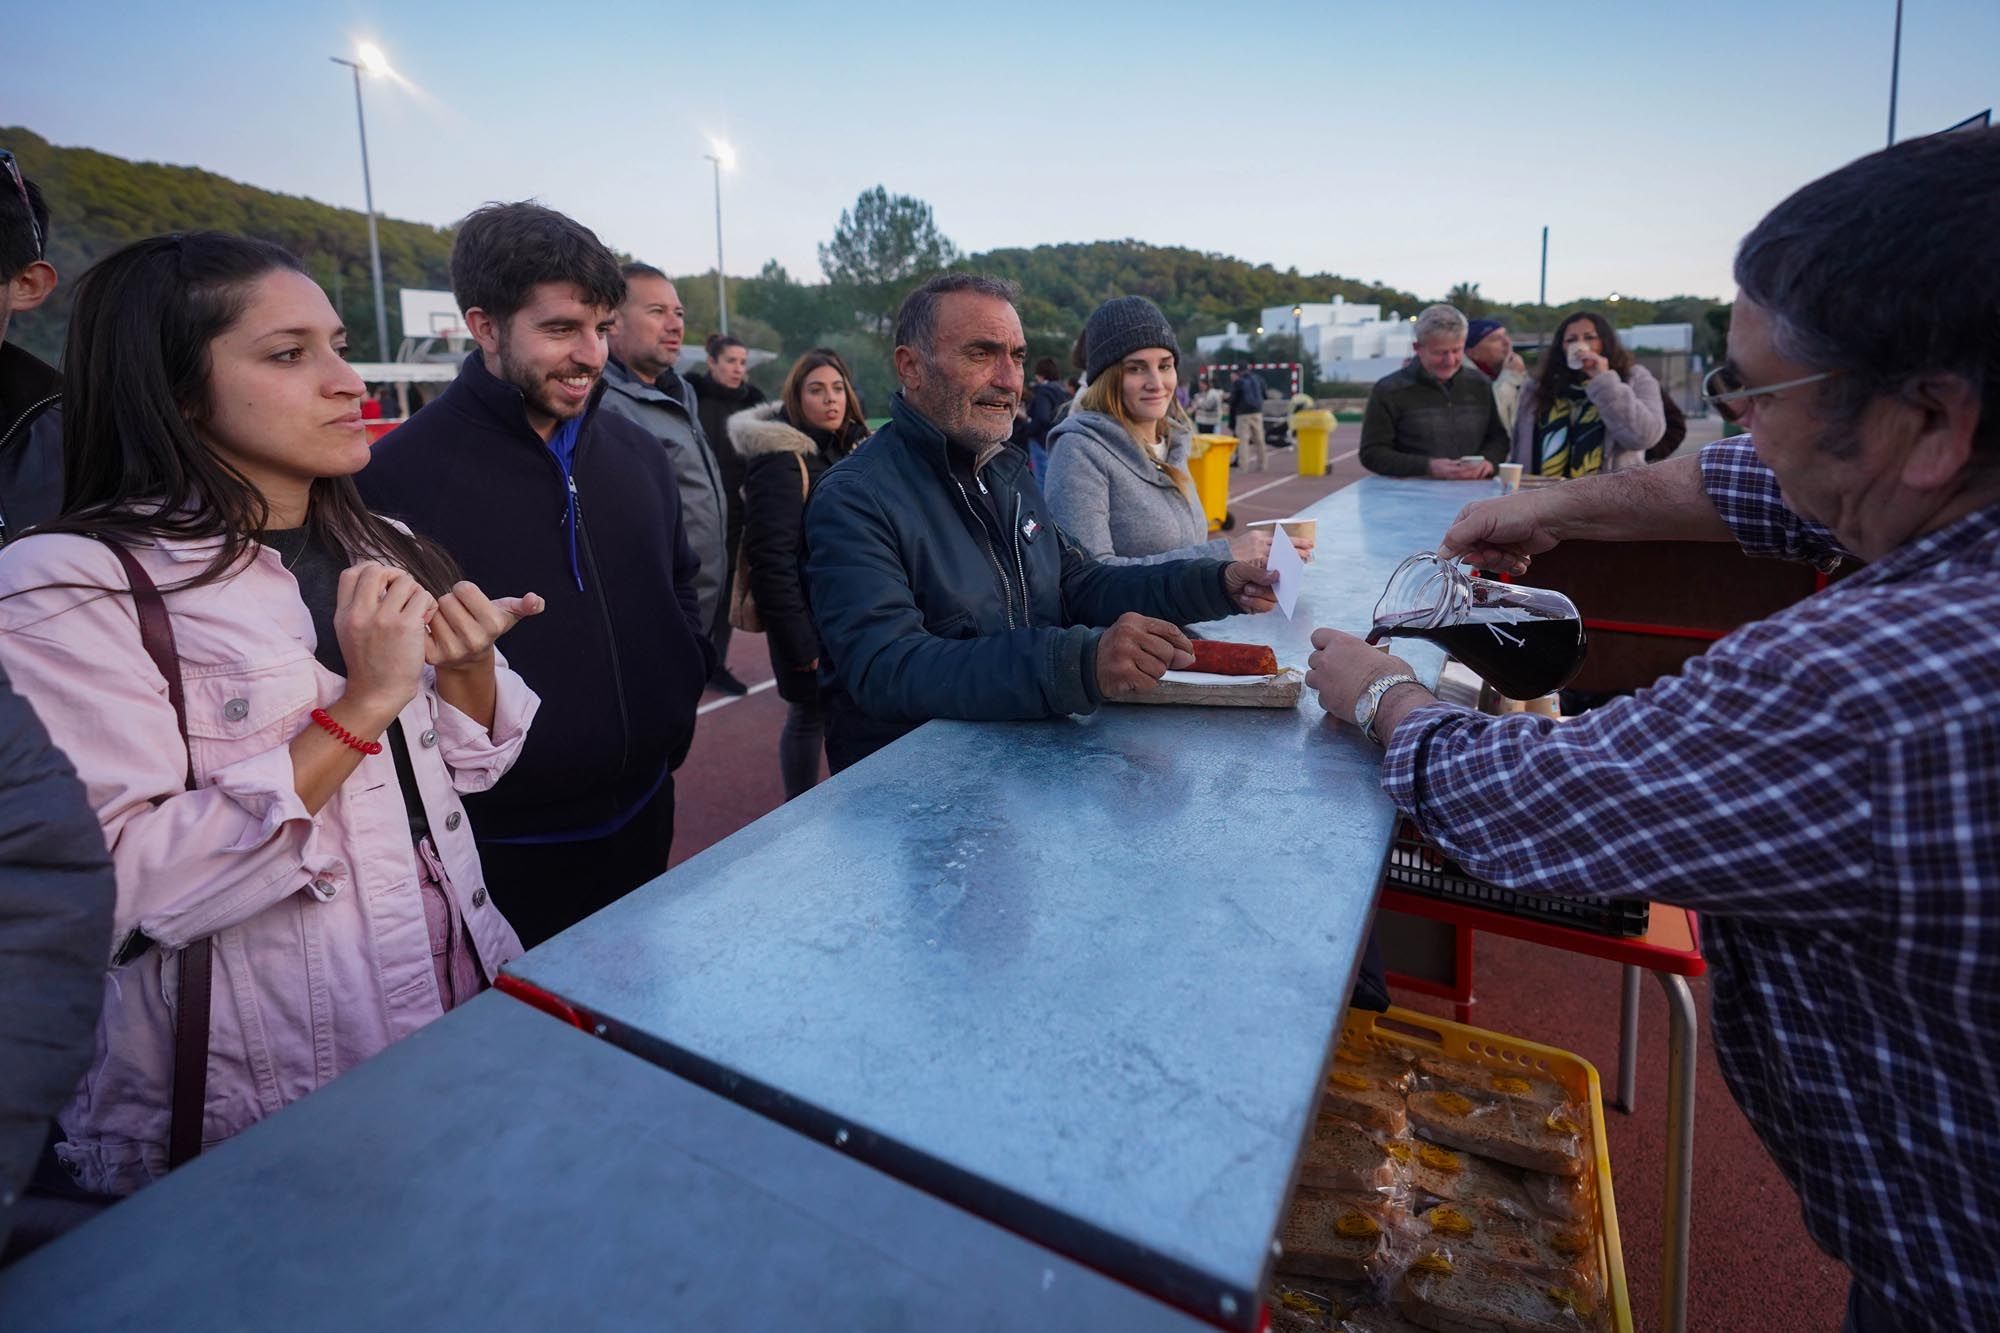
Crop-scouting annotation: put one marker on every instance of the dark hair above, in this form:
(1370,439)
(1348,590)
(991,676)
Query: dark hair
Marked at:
(17,236)
(1554,377)
(135,393)
(1885,270)
(1076,357)
(1047,369)
(916,318)
(632,268)
(793,394)
(504,251)
(718,343)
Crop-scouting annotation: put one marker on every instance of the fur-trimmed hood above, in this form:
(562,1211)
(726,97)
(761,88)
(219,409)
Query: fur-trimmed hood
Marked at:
(763,430)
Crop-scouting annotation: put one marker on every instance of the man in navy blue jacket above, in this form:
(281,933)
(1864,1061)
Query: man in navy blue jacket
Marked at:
(517,474)
(940,585)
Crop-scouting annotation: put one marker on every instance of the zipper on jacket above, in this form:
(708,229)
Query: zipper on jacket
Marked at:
(578,537)
(986,539)
(7,436)
(575,519)
(1021,567)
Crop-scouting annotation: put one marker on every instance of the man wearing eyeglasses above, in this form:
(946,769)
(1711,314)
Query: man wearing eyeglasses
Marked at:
(30,389)
(1823,785)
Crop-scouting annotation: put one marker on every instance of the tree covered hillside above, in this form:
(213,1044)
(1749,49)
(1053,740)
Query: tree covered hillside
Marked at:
(98,202)
(1199,293)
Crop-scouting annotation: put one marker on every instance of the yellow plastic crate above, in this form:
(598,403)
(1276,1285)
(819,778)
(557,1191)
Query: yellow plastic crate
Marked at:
(1408,1030)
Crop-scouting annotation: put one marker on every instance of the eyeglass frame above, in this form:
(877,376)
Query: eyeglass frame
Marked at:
(1723,402)
(13,165)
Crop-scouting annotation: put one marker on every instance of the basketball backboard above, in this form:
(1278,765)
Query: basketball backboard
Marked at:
(431,314)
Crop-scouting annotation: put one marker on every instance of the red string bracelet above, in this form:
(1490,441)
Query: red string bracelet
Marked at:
(324,720)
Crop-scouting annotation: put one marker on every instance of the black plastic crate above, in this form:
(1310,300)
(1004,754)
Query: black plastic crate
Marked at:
(1420,866)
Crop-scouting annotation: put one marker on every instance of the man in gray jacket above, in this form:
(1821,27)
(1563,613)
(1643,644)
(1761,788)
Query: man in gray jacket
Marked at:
(641,384)
(56,895)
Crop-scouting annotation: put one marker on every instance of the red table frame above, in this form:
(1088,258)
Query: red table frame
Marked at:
(1671,950)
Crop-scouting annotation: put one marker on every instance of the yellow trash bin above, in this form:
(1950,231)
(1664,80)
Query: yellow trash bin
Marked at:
(1208,464)
(1311,430)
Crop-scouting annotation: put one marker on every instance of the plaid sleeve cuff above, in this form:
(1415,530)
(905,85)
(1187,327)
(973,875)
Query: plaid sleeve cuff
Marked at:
(1401,777)
(1745,494)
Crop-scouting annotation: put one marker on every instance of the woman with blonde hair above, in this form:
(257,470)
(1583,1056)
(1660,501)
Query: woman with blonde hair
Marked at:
(786,446)
(1118,480)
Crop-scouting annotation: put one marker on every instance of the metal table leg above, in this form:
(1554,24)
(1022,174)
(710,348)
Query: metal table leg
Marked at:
(1680,1151)
(1628,1041)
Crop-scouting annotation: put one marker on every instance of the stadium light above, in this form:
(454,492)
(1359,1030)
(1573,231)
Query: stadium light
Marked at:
(723,155)
(368,59)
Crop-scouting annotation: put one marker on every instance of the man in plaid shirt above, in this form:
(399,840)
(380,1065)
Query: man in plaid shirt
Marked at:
(1823,785)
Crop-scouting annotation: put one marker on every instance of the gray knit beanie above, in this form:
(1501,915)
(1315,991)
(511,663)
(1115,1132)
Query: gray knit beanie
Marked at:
(1122,326)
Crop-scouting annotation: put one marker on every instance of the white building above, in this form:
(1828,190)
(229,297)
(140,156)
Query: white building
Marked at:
(1658,338)
(1350,341)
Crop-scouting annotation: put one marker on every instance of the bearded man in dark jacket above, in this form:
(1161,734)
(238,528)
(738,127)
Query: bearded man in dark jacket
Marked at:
(940,584)
(517,474)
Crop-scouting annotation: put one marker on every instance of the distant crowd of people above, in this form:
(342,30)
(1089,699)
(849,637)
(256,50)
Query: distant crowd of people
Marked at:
(314,737)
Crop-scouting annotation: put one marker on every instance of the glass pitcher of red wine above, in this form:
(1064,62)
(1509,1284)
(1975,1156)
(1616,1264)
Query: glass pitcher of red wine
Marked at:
(1524,642)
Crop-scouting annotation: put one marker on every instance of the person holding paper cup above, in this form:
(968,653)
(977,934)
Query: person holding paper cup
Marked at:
(1591,409)
(1118,481)
(1434,417)
(1304,533)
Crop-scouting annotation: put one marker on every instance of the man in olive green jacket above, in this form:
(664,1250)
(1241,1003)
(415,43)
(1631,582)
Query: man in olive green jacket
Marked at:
(1423,419)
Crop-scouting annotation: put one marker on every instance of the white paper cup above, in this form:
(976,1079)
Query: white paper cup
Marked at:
(1306,529)
(1510,478)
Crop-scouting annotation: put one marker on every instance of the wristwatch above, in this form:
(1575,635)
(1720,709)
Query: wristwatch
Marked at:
(1370,702)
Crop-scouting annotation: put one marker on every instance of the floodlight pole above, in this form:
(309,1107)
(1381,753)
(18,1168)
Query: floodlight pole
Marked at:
(1895,72)
(721,292)
(368,193)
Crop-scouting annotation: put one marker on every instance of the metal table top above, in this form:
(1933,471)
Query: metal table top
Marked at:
(502,1171)
(1078,976)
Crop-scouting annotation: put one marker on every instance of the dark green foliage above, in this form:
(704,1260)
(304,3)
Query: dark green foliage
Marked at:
(98,203)
(1199,293)
(884,245)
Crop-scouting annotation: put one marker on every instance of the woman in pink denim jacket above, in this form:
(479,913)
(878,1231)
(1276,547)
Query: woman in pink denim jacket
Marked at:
(213,428)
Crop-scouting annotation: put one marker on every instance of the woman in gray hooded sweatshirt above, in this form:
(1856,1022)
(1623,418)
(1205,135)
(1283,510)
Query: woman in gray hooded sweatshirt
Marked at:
(1118,480)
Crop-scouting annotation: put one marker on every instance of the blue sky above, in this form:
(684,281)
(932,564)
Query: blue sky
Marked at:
(1415,145)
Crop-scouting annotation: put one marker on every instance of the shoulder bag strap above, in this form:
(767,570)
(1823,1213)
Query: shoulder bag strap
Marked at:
(156,635)
(805,478)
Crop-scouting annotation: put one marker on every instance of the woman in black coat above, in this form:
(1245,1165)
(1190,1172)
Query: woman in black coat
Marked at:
(785,447)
